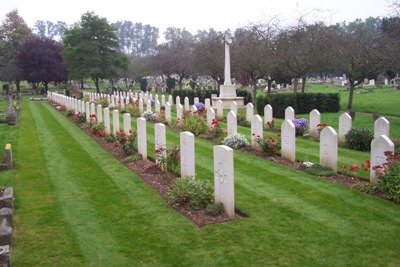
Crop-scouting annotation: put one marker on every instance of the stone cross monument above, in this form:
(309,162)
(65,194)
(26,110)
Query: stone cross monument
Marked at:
(227,90)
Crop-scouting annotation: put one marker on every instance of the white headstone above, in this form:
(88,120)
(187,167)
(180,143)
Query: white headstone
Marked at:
(372,82)
(288,134)
(187,154)
(328,148)
(107,128)
(148,105)
(381,127)
(289,113)
(99,113)
(268,114)
(193,109)
(177,100)
(224,178)
(315,119)
(256,130)
(115,121)
(163,100)
(234,106)
(157,107)
(345,124)
(207,103)
(179,114)
(249,112)
(87,112)
(231,123)
(168,112)
(379,146)
(160,141)
(141,105)
(142,137)
(220,109)
(127,123)
(210,117)
(196,100)
(170,100)
(187,106)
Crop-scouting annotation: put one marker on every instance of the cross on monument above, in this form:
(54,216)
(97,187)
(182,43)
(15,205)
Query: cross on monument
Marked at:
(227,41)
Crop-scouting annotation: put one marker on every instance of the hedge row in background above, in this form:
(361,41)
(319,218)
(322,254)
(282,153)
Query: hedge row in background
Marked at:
(203,94)
(301,103)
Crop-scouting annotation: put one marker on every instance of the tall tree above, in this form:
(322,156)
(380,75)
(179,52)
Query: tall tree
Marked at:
(13,33)
(39,60)
(91,50)
(50,29)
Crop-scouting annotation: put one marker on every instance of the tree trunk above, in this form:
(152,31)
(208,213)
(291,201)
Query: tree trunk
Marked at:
(46,86)
(303,84)
(351,92)
(269,83)
(18,84)
(96,82)
(82,86)
(254,94)
(295,85)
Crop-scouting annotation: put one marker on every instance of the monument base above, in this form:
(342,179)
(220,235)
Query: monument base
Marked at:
(227,96)
(226,101)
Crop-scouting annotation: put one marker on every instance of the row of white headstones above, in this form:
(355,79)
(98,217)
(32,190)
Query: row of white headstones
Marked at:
(223,155)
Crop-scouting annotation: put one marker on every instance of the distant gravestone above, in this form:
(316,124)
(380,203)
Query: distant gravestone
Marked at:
(163,100)
(231,123)
(148,105)
(288,134)
(9,158)
(196,100)
(379,146)
(210,117)
(289,113)
(177,100)
(372,82)
(127,123)
(99,113)
(115,121)
(234,106)
(315,119)
(268,114)
(193,109)
(87,111)
(220,109)
(179,114)
(142,137)
(141,106)
(170,100)
(381,127)
(187,106)
(187,154)
(157,108)
(107,128)
(168,112)
(160,141)
(256,131)
(207,103)
(328,148)
(249,112)
(345,124)
(224,178)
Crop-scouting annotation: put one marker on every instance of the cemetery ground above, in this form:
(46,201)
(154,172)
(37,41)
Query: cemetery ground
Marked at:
(76,205)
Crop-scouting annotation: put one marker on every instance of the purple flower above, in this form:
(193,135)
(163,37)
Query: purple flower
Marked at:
(200,106)
(152,102)
(301,126)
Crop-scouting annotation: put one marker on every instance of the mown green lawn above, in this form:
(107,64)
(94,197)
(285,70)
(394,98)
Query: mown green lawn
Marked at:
(78,206)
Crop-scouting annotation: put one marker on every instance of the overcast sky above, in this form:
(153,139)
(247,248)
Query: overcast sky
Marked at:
(197,15)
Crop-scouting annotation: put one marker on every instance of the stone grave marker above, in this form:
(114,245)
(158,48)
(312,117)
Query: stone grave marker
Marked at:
(379,146)
(289,113)
(381,127)
(288,144)
(315,119)
(87,111)
(210,117)
(168,112)
(170,100)
(268,114)
(220,109)
(345,124)
(187,106)
(249,112)
(196,100)
(142,137)
(177,100)
(224,178)
(115,121)
(141,105)
(160,142)
(187,154)
(234,106)
(163,100)
(107,128)
(127,123)
(148,105)
(207,103)
(99,113)
(256,131)
(231,123)
(328,148)
(179,114)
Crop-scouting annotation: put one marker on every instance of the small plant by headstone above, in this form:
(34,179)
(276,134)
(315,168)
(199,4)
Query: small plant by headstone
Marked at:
(235,141)
(319,170)
(388,176)
(301,125)
(268,146)
(359,139)
(214,209)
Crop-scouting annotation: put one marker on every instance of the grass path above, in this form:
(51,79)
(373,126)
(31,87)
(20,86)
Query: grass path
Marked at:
(78,206)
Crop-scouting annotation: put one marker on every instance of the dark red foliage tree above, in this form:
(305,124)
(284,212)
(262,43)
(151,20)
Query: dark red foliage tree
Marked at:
(40,61)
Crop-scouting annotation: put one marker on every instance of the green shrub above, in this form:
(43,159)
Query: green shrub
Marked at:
(388,176)
(191,193)
(268,146)
(359,139)
(69,112)
(242,120)
(214,209)
(195,123)
(148,115)
(133,158)
(133,110)
(319,170)
(235,141)
(103,102)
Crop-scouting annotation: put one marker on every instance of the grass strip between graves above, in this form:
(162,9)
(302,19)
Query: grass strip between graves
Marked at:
(84,208)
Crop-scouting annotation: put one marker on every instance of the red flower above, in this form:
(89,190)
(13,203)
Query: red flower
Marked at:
(157,150)
(226,132)
(258,136)
(366,169)
(274,150)
(353,167)
(279,134)
(268,123)
(130,131)
(253,134)
(273,121)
